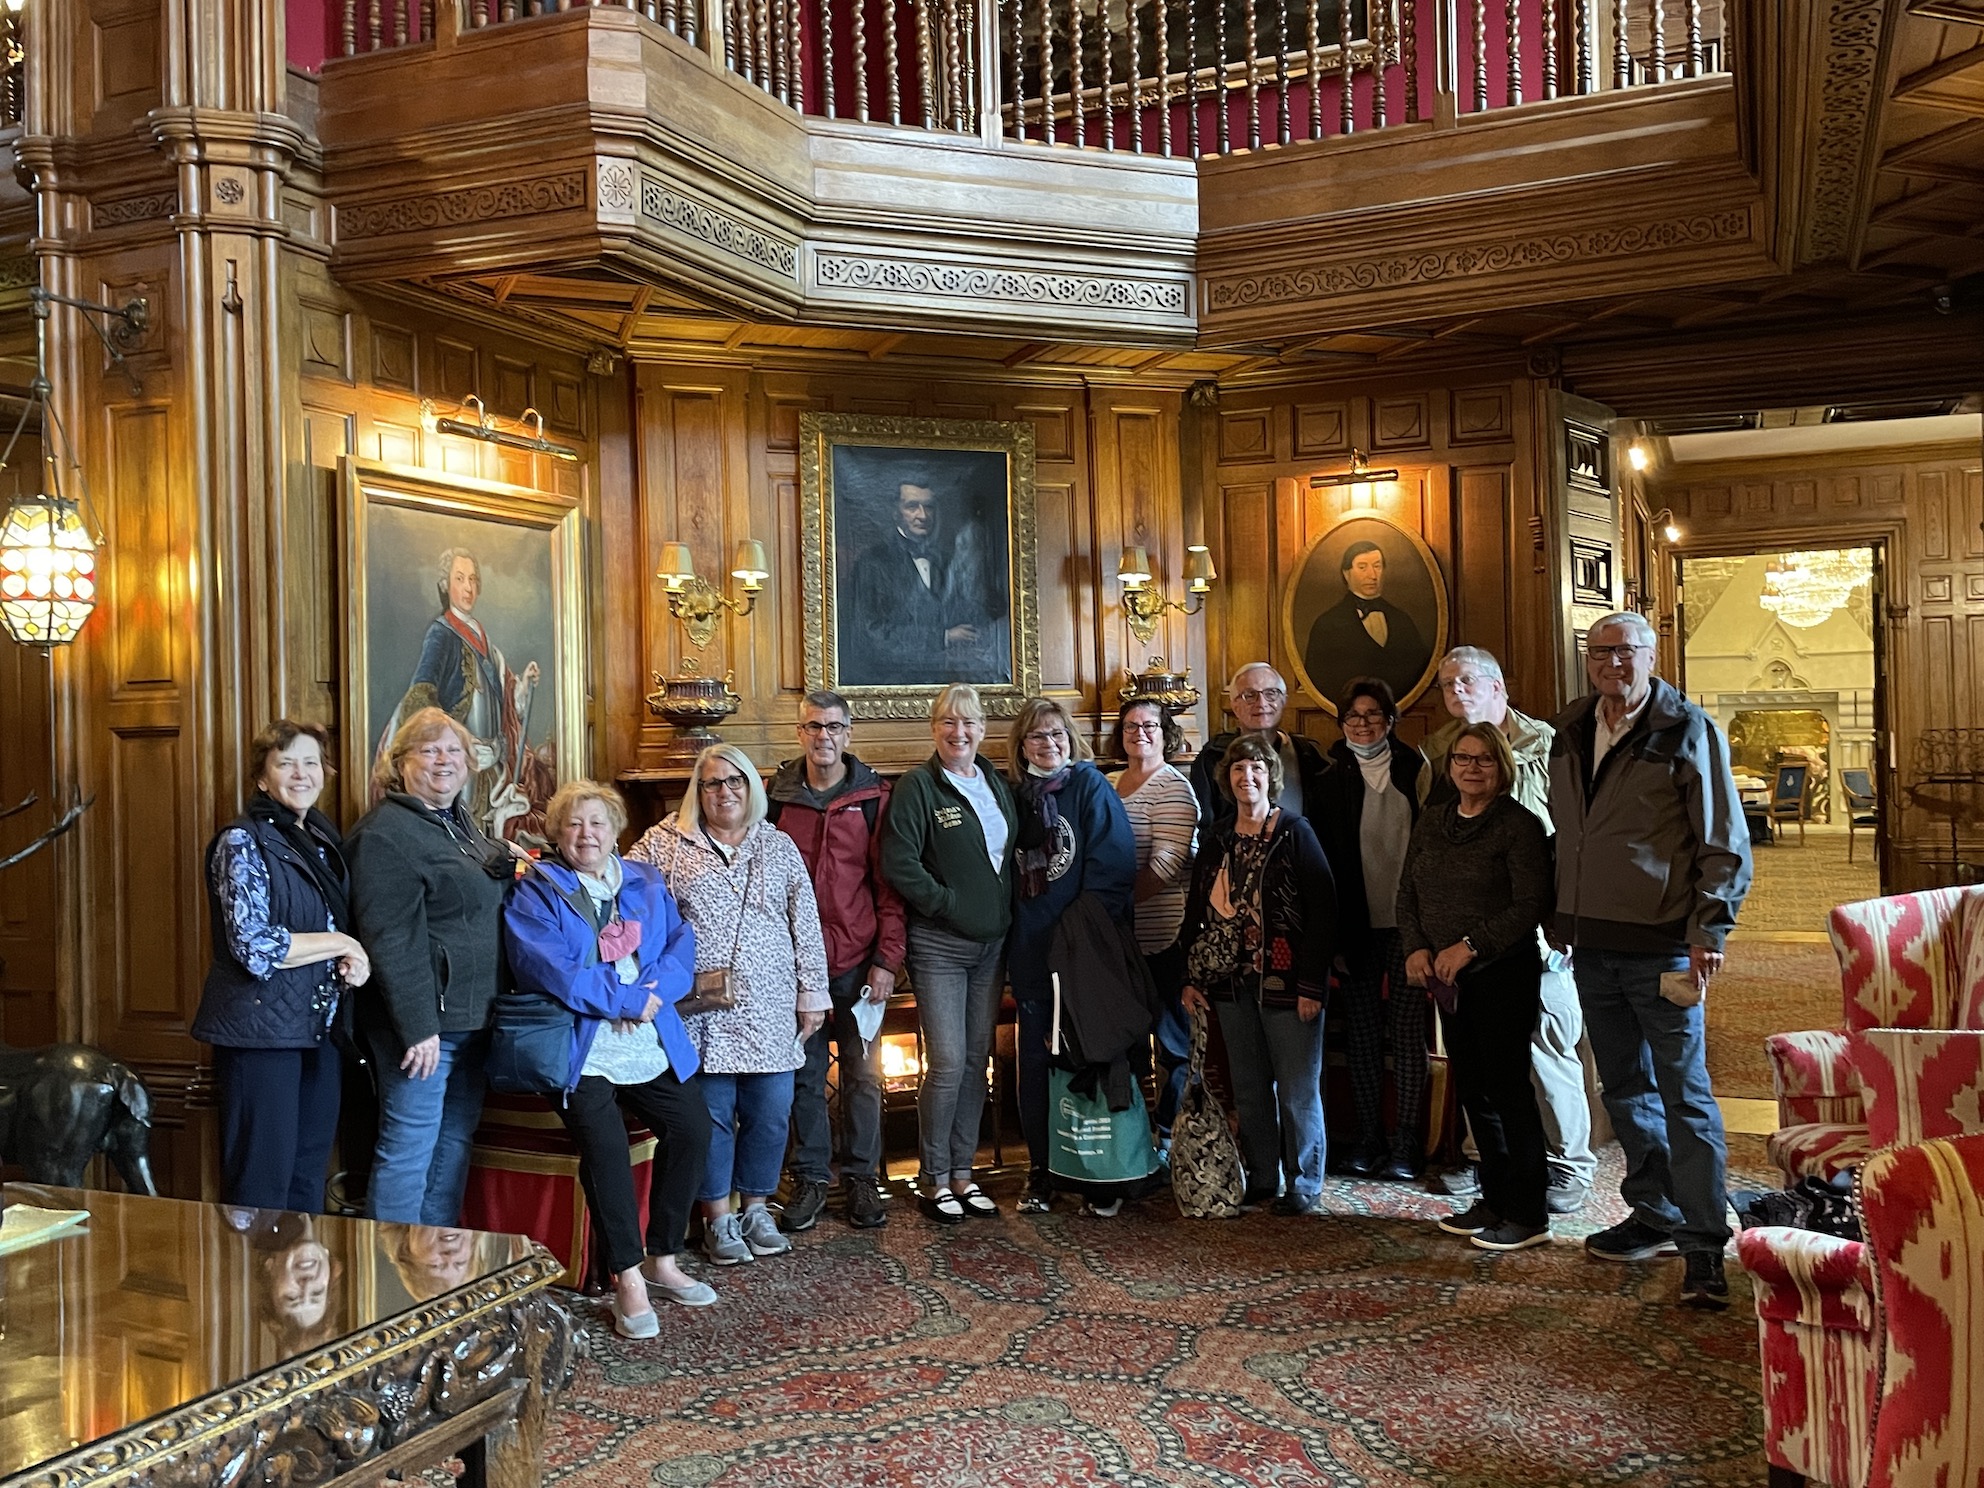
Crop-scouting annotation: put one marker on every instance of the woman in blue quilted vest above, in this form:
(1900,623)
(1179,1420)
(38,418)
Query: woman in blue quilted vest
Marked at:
(278,891)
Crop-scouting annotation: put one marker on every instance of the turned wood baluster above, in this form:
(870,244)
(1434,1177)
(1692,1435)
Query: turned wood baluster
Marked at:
(954,74)
(730,48)
(1345,71)
(1622,47)
(1409,56)
(926,68)
(1283,133)
(1381,30)
(761,44)
(969,81)
(1192,77)
(1136,78)
(1221,113)
(1584,25)
(1162,12)
(671,15)
(1549,49)
(1046,72)
(1252,55)
(1076,120)
(1694,38)
(797,66)
(1108,70)
(1480,14)
(426,20)
(1019,65)
(348,28)
(685,20)
(1656,59)
(892,49)
(775,51)
(827,54)
(860,61)
(1513,13)
(373,32)
(1314,22)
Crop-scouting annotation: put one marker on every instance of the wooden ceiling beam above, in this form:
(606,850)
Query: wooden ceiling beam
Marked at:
(632,319)
(1551,332)
(1909,157)
(1025,353)
(886,344)
(1924,82)
(738,337)
(504,285)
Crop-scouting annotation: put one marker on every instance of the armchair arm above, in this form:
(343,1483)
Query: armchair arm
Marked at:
(1815,1078)
(1802,1277)
(1920,1083)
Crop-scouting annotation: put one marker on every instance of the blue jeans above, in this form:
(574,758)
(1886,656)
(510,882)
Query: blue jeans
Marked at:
(1275,1061)
(1655,1078)
(421,1164)
(957,1002)
(750,1117)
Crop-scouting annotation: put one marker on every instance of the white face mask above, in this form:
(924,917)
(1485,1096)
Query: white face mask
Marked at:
(1371,751)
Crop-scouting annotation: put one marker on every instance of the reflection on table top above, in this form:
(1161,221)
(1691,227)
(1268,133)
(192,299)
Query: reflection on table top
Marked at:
(158,1303)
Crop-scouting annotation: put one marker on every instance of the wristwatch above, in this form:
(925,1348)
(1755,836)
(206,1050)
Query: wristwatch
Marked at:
(1468,941)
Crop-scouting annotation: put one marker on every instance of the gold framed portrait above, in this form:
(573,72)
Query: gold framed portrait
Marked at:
(1366,599)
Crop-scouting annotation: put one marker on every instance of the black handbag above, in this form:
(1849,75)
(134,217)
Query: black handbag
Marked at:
(530,1044)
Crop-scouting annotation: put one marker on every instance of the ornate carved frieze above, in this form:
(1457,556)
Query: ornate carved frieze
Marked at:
(563,191)
(129,209)
(1508,255)
(1846,68)
(662,203)
(1018,288)
(19,271)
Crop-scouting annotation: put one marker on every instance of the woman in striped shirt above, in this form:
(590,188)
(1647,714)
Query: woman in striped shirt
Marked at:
(1164,817)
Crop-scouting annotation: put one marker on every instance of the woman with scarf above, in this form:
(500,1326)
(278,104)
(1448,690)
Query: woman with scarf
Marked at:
(1074,837)
(604,938)
(1259,934)
(278,893)
(1371,803)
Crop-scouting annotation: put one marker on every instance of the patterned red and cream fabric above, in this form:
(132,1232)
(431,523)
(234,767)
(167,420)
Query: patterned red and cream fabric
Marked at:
(1817,1150)
(1814,1077)
(1918,1084)
(1923,1208)
(1821,1353)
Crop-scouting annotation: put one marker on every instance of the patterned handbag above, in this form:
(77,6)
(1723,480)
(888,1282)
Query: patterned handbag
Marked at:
(1206,1175)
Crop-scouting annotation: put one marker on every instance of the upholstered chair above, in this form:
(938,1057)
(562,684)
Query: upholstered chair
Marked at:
(1870,1367)
(1908,963)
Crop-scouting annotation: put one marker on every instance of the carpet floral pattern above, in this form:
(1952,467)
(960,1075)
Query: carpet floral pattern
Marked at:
(1064,1351)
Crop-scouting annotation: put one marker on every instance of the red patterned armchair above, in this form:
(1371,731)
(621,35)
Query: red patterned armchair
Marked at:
(1871,1365)
(1910,963)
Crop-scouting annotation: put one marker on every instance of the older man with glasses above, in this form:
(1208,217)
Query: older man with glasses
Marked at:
(1653,861)
(1256,697)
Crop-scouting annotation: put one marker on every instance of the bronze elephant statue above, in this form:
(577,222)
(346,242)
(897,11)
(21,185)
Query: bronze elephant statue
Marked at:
(63,1104)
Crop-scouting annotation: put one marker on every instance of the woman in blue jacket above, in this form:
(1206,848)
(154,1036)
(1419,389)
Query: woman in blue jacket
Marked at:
(1074,837)
(603,936)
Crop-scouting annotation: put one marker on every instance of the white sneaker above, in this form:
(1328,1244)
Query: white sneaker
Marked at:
(761,1232)
(723,1241)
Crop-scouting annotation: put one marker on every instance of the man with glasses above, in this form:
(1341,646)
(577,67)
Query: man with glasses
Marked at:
(1475,691)
(1256,696)
(1653,861)
(830,805)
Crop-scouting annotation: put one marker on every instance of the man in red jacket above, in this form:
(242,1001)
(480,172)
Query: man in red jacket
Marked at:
(831,805)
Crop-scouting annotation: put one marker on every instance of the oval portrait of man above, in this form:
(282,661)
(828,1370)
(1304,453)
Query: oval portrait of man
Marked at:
(1367,599)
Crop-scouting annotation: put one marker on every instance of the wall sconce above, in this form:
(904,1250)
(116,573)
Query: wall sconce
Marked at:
(486,429)
(1144,605)
(1639,457)
(1360,477)
(695,601)
(1669,528)
(48,553)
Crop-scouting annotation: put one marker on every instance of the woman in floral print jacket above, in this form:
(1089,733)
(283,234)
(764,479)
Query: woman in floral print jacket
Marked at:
(743,888)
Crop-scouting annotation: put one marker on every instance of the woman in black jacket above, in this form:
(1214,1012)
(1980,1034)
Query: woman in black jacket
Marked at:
(1371,802)
(1259,935)
(277,891)
(1476,885)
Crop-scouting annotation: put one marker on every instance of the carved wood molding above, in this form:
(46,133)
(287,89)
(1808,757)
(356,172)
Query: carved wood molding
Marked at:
(1846,65)
(126,210)
(992,284)
(560,191)
(663,203)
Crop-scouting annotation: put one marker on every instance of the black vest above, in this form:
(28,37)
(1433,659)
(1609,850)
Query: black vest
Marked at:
(237,1011)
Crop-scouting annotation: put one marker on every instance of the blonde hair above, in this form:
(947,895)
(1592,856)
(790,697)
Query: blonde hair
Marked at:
(689,816)
(1498,746)
(959,700)
(574,794)
(423,727)
(1032,712)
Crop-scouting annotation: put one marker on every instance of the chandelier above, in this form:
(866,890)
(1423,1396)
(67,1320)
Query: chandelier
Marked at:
(1806,589)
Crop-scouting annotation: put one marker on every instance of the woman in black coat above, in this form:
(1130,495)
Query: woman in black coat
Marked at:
(278,891)
(1371,803)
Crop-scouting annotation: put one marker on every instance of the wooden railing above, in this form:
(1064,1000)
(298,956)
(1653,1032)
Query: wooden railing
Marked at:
(13,71)
(1165,77)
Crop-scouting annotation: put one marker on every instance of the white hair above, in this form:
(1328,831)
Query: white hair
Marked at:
(1233,682)
(1473,656)
(1630,621)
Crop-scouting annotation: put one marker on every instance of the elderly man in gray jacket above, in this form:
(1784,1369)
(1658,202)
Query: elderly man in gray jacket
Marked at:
(1653,861)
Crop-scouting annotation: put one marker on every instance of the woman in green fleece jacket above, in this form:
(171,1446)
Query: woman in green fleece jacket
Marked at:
(947,849)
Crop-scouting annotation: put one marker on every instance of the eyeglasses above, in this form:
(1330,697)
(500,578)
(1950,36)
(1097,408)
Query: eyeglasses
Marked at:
(1614,653)
(1472,761)
(735,784)
(1143,728)
(1047,736)
(833,730)
(1254,695)
(1361,716)
(449,750)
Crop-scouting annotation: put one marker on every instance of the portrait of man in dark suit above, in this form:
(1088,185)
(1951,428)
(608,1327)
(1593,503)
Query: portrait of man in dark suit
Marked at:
(1367,601)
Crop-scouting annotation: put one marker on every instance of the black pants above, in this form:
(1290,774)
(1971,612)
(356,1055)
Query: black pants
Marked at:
(1380,1009)
(1488,1046)
(278,1116)
(675,1113)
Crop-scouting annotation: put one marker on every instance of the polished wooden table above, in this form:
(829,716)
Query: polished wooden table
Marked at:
(172,1343)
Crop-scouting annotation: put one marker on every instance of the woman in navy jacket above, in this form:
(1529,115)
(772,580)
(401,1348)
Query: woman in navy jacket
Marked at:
(603,936)
(278,892)
(1074,838)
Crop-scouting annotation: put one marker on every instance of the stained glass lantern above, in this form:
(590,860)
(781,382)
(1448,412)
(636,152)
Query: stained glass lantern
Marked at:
(47,571)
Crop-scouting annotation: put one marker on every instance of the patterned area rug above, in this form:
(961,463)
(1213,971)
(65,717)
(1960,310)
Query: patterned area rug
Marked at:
(1795,886)
(1765,987)
(1365,1348)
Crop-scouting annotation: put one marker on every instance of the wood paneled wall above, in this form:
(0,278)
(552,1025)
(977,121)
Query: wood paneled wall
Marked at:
(1468,457)
(1926,506)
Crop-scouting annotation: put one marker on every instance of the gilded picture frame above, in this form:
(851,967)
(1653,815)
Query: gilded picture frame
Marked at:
(498,641)
(1329,642)
(917,548)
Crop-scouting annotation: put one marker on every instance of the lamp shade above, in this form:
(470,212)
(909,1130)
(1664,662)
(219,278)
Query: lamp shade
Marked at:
(47,571)
(750,566)
(1134,570)
(676,567)
(1198,569)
